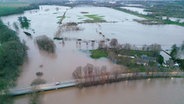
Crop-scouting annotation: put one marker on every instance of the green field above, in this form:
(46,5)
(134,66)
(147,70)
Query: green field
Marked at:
(14,8)
(13,4)
(93,18)
(98,53)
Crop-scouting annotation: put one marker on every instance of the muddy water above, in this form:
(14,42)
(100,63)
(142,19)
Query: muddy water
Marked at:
(154,91)
(59,66)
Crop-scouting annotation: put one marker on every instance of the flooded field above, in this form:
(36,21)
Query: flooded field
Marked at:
(136,9)
(69,54)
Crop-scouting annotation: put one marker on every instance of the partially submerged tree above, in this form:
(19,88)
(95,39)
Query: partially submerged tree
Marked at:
(38,81)
(70,26)
(160,59)
(152,47)
(92,75)
(15,26)
(182,46)
(113,43)
(127,46)
(101,44)
(35,96)
(39,74)
(24,22)
(155,47)
(174,52)
(45,43)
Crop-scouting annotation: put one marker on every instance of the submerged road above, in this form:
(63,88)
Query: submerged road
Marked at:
(73,83)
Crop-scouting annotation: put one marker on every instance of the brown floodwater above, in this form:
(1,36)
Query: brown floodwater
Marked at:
(59,66)
(154,91)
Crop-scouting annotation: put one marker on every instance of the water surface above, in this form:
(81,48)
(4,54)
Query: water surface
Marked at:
(59,66)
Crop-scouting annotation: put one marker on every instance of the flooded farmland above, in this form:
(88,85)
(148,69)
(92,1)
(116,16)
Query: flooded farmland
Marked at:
(69,54)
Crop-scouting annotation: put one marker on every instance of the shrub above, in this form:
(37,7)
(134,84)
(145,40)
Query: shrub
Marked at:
(98,53)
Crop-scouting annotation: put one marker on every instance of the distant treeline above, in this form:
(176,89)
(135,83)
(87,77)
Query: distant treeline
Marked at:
(12,55)
(9,10)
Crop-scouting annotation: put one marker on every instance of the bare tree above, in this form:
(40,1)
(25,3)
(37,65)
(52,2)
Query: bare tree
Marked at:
(127,46)
(45,43)
(155,47)
(145,48)
(101,44)
(113,43)
(77,74)
(94,75)
(112,56)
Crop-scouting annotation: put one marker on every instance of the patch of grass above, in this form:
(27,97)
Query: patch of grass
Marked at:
(94,18)
(98,53)
(80,17)
(173,22)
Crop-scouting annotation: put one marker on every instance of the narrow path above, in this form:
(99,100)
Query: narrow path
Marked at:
(58,32)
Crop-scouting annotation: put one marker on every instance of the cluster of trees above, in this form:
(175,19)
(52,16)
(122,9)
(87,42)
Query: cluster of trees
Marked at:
(170,9)
(12,51)
(12,55)
(91,75)
(175,53)
(158,10)
(152,47)
(8,10)
(129,55)
(24,22)
(45,43)
(113,44)
(35,96)
(122,53)
(152,50)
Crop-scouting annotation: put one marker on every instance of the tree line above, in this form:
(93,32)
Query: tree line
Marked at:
(12,54)
(176,52)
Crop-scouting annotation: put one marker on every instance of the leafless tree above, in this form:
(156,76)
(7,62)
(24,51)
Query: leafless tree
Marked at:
(45,43)
(155,47)
(101,44)
(113,43)
(92,75)
(127,46)
(112,56)
(77,74)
